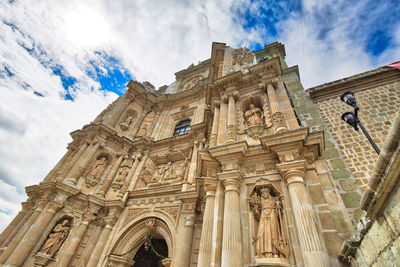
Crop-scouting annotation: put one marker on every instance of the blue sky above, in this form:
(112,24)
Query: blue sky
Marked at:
(62,62)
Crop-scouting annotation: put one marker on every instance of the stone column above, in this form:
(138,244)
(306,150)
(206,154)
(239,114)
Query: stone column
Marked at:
(277,116)
(135,129)
(231,127)
(112,119)
(223,115)
(312,247)
(210,186)
(75,241)
(32,236)
(82,162)
(214,130)
(192,166)
(137,172)
(232,232)
(184,242)
(57,169)
(129,177)
(39,205)
(101,242)
(74,159)
(12,227)
(110,176)
(218,219)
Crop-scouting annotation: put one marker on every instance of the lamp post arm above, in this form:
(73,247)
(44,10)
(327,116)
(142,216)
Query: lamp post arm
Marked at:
(368,137)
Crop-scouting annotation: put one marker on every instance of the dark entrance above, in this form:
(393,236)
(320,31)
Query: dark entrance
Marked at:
(145,258)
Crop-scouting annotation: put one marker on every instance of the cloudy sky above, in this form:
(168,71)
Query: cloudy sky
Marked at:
(62,62)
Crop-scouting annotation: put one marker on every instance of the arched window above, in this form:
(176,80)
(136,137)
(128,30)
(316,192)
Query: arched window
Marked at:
(182,127)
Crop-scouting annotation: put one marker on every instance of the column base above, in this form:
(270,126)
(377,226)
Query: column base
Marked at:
(315,258)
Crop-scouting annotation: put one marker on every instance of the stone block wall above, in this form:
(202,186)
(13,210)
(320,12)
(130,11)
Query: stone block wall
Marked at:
(338,184)
(378,108)
(381,244)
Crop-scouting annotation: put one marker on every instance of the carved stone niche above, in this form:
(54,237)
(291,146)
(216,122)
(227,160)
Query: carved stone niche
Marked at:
(53,241)
(256,115)
(98,169)
(269,233)
(128,119)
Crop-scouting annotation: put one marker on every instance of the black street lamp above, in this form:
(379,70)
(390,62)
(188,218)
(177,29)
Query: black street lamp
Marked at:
(352,118)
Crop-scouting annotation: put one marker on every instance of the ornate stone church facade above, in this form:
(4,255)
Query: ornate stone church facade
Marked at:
(227,166)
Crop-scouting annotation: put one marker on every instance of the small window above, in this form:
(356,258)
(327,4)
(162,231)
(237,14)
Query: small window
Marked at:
(182,127)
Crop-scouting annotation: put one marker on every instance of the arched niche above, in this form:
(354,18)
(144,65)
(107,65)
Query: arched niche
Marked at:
(130,237)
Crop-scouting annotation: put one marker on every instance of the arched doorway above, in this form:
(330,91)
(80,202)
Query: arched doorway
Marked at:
(147,258)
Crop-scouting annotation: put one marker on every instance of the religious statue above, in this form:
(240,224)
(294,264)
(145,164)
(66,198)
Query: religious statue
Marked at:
(98,168)
(146,176)
(269,237)
(161,170)
(122,175)
(55,238)
(129,119)
(254,116)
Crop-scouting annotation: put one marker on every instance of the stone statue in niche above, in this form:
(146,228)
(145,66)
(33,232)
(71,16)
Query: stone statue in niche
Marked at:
(98,168)
(122,175)
(129,119)
(269,233)
(254,116)
(146,124)
(55,239)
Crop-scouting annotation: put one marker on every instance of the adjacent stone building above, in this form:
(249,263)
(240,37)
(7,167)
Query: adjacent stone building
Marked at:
(233,164)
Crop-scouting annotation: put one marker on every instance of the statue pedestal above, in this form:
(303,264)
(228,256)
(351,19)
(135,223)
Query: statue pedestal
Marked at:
(255,131)
(42,259)
(271,262)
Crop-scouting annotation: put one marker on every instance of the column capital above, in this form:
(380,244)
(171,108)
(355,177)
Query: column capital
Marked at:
(54,206)
(293,172)
(26,206)
(210,186)
(232,180)
(88,218)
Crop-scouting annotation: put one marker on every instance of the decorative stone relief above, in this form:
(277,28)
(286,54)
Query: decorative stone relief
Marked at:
(120,179)
(193,82)
(167,173)
(173,212)
(279,120)
(151,224)
(269,231)
(132,213)
(56,238)
(242,56)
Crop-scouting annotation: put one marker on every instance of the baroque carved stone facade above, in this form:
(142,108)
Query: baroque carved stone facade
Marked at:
(248,182)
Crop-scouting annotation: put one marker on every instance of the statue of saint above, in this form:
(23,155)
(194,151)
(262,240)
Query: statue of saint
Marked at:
(98,168)
(122,175)
(129,119)
(269,238)
(55,238)
(254,116)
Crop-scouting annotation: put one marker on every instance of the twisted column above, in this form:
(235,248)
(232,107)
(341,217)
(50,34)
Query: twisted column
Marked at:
(109,178)
(311,244)
(101,242)
(75,240)
(278,117)
(39,205)
(214,130)
(210,186)
(232,233)
(32,236)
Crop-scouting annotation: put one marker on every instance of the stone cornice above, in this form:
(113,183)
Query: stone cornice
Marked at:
(362,81)
(162,190)
(192,69)
(237,149)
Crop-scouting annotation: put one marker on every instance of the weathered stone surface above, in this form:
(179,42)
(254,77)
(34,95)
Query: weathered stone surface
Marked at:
(351,200)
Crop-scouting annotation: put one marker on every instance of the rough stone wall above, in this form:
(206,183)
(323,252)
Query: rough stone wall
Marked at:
(381,244)
(336,179)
